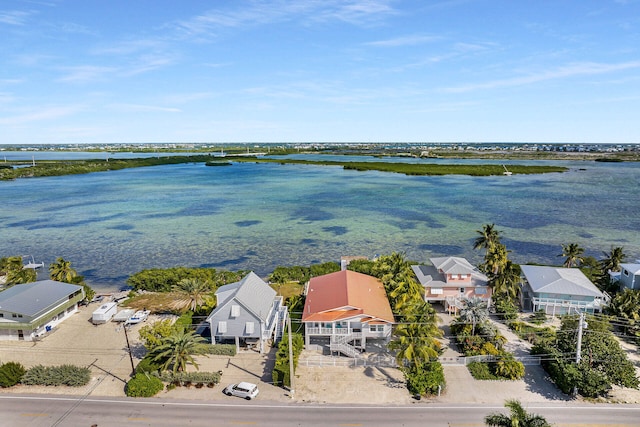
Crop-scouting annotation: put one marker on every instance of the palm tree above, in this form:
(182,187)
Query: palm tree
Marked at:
(573,253)
(517,417)
(612,260)
(12,268)
(61,271)
(506,281)
(626,305)
(192,294)
(176,351)
(475,311)
(496,259)
(415,339)
(489,237)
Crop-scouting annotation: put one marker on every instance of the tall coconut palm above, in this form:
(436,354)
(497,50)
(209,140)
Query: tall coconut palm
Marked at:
(416,337)
(496,259)
(489,236)
(62,271)
(506,282)
(12,268)
(475,311)
(193,293)
(573,254)
(517,417)
(613,259)
(177,350)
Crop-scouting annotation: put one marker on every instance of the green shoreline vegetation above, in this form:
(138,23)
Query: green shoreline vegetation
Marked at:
(45,168)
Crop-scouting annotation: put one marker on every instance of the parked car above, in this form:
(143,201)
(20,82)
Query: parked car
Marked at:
(243,389)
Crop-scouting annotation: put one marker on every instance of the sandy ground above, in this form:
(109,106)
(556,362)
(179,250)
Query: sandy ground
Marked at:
(104,349)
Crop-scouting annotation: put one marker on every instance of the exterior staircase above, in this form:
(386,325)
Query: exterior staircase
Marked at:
(340,343)
(280,324)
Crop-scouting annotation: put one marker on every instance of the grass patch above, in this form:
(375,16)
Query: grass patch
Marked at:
(288,289)
(156,302)
(415,168)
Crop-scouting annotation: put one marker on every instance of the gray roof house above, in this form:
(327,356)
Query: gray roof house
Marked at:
(248,312)
(450,281)
(630,276)
(31,310)
(559,290)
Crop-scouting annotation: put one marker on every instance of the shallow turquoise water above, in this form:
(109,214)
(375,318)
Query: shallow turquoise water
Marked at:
(258,216)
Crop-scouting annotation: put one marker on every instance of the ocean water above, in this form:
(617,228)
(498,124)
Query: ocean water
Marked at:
(258,216)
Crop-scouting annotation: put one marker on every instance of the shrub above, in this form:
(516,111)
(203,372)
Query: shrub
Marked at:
(427,380)
(223,349)
(281,372)
(11,373)
(69,375)
(147,365)
(481,371)
(143,385)
(538,318)
(508,368)
(179,378)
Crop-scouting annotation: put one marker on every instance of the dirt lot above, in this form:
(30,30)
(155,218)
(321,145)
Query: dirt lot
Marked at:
(103,348)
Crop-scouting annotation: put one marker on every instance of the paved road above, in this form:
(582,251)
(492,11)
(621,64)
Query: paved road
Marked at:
(42,410)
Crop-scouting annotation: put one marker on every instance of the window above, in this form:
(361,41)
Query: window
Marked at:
(625,272)
(376,328)
(436,291)
(461,290)
(222,327)
(235,310)
(481,291)
(249,327)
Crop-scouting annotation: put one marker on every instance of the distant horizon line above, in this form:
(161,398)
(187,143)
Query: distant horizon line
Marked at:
(317,143)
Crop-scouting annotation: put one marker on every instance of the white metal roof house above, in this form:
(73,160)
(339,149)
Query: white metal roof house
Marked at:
(248,311)
(559,290)
(31,310)
(629,276)
(451,280)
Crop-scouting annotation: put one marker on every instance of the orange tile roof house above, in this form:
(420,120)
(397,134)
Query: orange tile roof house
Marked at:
(346,308)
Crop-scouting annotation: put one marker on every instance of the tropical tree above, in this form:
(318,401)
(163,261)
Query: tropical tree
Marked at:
(626,305)
(613,259)
(177,350)
(416,337)
(62,271)
(496,259)
(517,417)
(506,282)
(12,268)
(474,312)
(489,236)
(192,293)
(573,254)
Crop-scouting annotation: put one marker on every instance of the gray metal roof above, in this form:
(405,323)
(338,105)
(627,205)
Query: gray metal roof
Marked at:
(252,292)
(631,268)
(431,275)
(33,299)
(556,280)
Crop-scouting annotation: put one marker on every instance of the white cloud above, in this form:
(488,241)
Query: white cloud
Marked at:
(128,108)
(47,113)
(14,17)
(587,68)
(404,41)
(85,73)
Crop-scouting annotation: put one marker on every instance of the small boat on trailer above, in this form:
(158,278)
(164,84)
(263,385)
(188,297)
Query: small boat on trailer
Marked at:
(138,317)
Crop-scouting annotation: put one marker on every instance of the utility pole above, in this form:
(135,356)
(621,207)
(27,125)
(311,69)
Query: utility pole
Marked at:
(126,335)
(291,388)
(581,324)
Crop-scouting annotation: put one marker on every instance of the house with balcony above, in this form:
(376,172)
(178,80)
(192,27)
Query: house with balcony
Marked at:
(248,313)
(451,281)
(344,310)
(32,310)
(559,291)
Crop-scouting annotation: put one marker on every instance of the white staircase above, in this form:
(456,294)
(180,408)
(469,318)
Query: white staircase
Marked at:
(340,343)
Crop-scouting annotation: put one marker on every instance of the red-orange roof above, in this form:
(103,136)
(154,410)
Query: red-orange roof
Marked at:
(346,294)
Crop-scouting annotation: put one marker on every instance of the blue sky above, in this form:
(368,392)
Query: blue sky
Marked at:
(110,71)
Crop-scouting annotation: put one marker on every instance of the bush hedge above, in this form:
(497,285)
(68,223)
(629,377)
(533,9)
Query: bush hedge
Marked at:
(222,349)
(143,385)
(185,378)
(69,375)
(11,373)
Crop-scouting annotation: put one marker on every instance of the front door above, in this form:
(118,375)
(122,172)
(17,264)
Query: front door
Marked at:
(20,335)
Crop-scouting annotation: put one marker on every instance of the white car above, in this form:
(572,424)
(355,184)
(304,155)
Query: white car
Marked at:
(246,390)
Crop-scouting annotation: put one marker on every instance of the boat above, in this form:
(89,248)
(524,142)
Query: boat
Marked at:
(29,262)
(138,316)
(506,171)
